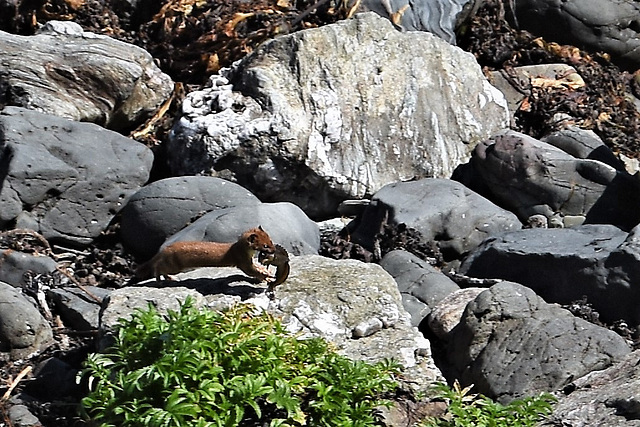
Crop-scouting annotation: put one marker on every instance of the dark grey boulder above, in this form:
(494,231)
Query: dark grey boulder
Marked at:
(66,72)
(611,26)
(23,330)
(14,265)
(285,222)
(623,280)
(531,177)
(442,210)
(561,265)
(607,398)
(79,308)
(64,179)
(164,207)
(420,284)
(510,343)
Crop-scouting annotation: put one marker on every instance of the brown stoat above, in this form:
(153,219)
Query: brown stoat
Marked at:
(181,256)
(279,258)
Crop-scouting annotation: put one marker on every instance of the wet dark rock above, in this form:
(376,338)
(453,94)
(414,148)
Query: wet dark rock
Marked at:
(420,284)
(610,26)
(560,265)
(443,211)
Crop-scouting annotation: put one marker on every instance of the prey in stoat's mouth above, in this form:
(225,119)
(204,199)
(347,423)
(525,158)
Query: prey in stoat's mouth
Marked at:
(280,259)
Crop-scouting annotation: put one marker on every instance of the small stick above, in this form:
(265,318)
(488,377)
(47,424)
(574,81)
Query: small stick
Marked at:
(75,282)
(15,382)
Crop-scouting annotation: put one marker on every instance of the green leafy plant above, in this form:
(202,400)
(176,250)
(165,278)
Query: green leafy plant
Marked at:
(465,409)
(207,368)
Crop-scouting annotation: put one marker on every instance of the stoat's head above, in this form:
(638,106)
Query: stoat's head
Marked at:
(259,241)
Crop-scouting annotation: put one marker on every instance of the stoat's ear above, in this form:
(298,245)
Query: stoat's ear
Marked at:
(260,228)
(252,237)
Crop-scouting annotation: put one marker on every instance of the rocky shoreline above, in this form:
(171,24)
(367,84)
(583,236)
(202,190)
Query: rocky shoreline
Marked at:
(453,239)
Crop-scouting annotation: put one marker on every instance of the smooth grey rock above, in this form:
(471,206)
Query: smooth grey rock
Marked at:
(583,144)
(78,309)
(23,330)
(421,285)
(64,179)
(442,210)
(511,344)
(66,72)
(560,264)
(607,398)
(297,121)
(334,298)
(286,224)
(446,314)
(164,207)
(440,17)
(332,226)
(14,264)
(531,177)
(610,26)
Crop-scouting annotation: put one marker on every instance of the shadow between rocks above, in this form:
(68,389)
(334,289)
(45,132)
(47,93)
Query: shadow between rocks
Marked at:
(235,285)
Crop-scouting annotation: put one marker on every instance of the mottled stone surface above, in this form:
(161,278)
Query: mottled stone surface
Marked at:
(354,305)
(511,344)
(446,315)
(606,398)
(337,112)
